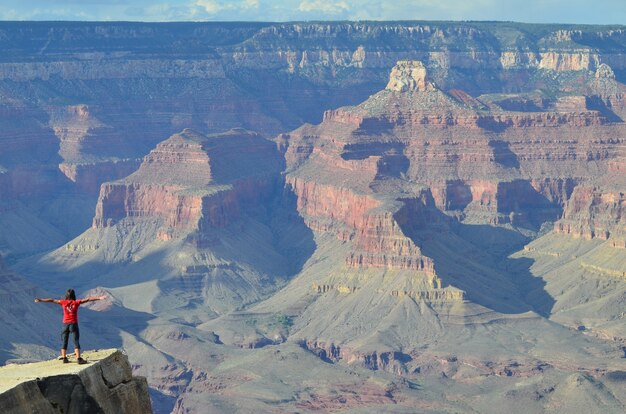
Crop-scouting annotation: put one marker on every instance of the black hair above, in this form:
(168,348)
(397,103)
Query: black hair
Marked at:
(70,295)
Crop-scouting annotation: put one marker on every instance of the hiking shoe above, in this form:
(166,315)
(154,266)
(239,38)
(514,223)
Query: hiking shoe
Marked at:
(65,360)
(81,361)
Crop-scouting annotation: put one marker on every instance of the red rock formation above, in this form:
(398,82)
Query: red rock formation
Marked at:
(413,119)
(317,202)
(381,243)
(377,237)
(191,182)
(595,213)
(118,201)
(352,173)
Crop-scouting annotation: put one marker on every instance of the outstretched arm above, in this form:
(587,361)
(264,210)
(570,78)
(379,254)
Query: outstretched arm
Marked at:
(93,298)
(37,300)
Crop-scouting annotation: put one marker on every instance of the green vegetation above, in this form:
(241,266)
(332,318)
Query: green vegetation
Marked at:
(283,320)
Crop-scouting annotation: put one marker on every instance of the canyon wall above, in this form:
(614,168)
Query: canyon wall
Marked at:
(425,190)
(121,88)
(478,162)
(191,181)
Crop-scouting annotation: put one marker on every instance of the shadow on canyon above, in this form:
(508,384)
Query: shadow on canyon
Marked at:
(476,259)
(292,237)
(596,103)
(503,155)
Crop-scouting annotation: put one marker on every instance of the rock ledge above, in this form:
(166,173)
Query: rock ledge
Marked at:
(104,385)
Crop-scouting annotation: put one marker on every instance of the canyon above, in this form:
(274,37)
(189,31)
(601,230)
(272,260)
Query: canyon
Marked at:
(321,217)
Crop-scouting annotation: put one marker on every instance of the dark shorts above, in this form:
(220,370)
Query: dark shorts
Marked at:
(67,328)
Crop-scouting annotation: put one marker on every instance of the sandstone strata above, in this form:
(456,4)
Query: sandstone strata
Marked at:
(409,76)
(202,202)
(77,113)
(423,190)
(594,212)
(478,163)
(191,181)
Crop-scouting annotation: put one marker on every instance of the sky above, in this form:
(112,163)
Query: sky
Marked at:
(530,11)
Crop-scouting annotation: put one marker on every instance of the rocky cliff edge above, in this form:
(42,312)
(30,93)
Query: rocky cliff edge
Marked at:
(104,385)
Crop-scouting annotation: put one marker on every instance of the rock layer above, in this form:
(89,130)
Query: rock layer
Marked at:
(479,163)
(427,193)
(82,103)
(191,181)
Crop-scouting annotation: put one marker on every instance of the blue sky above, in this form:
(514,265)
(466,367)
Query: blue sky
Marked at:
(533,11)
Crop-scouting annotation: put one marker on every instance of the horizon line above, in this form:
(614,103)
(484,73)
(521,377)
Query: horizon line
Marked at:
(269,22)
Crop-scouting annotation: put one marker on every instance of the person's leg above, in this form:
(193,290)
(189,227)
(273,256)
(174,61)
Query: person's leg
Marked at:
(64,337)
(76,341)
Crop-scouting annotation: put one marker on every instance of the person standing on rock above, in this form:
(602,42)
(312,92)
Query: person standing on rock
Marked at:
(70,320)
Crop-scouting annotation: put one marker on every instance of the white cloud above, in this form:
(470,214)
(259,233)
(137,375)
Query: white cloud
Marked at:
(250,4)
(9,14)
(55,13)
(214,7)
(210,6)
(323,6)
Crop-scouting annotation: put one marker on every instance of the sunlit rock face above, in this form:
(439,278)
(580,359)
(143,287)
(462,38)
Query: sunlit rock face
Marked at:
(190,179)
(409,76)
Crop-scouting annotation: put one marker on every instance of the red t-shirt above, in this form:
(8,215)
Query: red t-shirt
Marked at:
(70,310)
